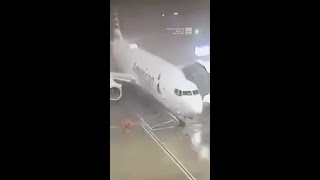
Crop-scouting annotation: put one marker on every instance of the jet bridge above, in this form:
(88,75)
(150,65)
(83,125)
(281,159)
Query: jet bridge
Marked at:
(199,74)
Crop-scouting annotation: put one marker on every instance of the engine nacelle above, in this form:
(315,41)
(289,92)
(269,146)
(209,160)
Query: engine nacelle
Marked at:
(115,90)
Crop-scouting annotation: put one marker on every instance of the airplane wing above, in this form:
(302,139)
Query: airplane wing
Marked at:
(122,77)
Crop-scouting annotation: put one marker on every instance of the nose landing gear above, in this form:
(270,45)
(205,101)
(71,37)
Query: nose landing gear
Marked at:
(171,121)
(184,121)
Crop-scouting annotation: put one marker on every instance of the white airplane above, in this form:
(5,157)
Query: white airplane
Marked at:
(165,81)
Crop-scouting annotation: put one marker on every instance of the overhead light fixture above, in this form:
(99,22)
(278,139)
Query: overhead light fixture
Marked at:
(133,46)
(162,15)
(196,31)
(175,13)
(202,51)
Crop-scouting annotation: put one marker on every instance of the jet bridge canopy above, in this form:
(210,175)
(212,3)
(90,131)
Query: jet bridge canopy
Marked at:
(198,74)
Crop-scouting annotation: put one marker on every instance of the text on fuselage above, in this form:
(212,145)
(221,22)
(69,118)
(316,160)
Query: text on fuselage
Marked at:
(143,75)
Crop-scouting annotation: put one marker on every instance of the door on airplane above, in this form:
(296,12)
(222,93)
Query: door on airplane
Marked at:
(161,90)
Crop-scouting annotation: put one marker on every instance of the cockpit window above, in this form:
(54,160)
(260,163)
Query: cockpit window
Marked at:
(178,92)
(195,92)
(187,93)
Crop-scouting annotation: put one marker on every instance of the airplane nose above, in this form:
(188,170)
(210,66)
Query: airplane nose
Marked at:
(198,107)
(191,106)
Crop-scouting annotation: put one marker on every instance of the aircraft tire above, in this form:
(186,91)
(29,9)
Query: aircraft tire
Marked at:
(181,123)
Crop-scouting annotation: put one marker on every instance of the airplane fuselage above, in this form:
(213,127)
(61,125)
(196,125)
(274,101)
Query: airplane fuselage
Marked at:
(158,77)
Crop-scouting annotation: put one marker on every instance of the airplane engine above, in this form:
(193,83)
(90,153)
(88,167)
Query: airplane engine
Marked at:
(115,90)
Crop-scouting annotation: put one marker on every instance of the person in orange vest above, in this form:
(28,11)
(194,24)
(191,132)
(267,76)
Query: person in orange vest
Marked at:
(127,125)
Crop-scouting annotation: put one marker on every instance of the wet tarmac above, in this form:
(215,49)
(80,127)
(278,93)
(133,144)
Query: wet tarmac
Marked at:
(147,151)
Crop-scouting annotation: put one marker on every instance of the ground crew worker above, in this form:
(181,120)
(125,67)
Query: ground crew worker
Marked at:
(127,125)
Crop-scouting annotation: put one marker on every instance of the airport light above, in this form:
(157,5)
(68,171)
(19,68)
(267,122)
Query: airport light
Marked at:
(133,46)
(176,13)
(196,139)
(205,152)
(202,51)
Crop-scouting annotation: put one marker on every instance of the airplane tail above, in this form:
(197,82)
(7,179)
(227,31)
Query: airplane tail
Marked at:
(116,30)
